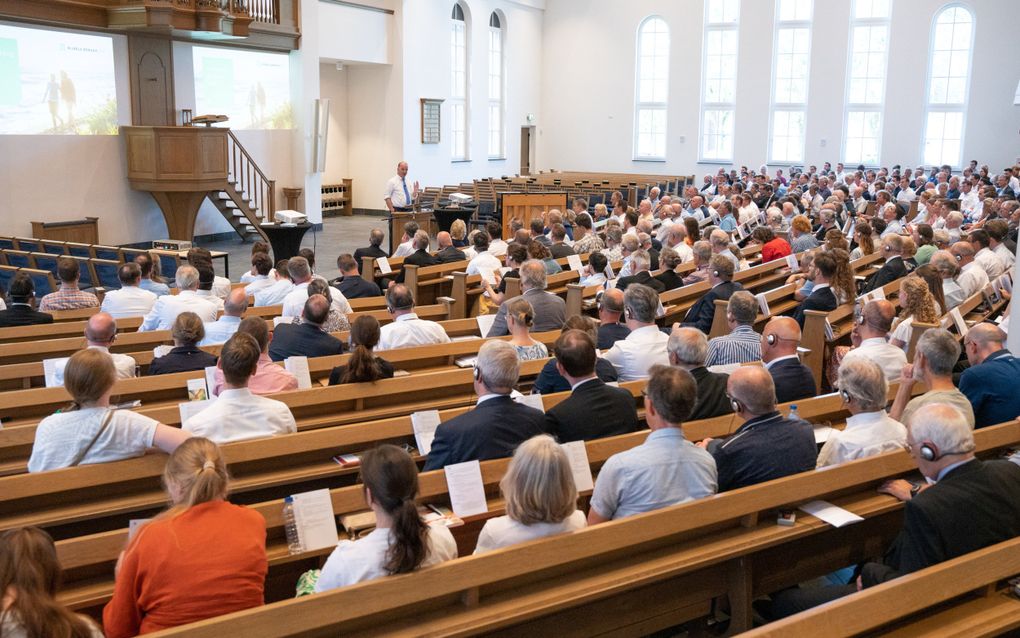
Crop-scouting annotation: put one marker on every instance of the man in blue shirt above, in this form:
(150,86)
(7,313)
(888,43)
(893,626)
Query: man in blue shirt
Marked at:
(727,221)
(990,381)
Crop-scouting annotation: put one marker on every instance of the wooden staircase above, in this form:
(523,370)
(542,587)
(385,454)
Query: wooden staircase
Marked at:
(249,197)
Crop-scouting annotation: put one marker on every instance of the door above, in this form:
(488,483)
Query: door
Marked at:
(151,81)
(525,150)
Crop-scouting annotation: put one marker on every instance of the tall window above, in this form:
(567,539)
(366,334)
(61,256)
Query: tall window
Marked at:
(496,98)
(792,63)
(948,82)
(652,89)
(459,83)
(865,96)
(719,79)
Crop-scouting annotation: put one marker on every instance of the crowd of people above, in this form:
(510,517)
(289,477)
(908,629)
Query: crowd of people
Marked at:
(205,556)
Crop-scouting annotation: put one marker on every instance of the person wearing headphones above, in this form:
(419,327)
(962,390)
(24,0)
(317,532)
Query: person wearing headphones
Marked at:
(935,356)
(967,504)
(793,379)
(870,337)
(645,346)
(610,312)
(720,277)
(869,430)
(767,445)
(894,266)
(498,424)
(742,344)
(407,329)
(822,298)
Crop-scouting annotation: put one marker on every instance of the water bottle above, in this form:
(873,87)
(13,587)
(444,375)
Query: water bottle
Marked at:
(794,415)
(290,526)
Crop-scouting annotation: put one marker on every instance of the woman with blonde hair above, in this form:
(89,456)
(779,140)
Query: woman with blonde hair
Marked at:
(601,212)
(29,580)
(89,430)
(918,304)
(541,498)
(864,236)
(834,238)
(520,318)
(458,231)
(843,284)
(201,558)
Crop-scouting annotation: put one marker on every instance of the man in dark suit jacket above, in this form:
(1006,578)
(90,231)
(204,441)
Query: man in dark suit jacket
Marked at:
(639,264)
(720,277)
(688,349)
(352,285)
(21,311)
(373,250)
(821,298)
(972,504)
(550,309)
(894,267)
(447,253)
(767,446)
(610,304)
(420,257)
(793,379)
(305,338)
(498,424)
(559,248)
(594,409)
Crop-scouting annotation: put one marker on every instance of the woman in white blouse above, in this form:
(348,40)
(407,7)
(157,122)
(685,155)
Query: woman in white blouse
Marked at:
(541,499)
(401,542)
(90,431)
(918,305)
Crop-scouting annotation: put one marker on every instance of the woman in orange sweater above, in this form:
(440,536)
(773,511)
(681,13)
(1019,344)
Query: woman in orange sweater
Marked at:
(202,558)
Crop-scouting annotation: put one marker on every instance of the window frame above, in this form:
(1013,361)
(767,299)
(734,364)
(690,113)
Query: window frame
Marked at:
(788,107)
(463,103)
(706,106)
(961,108)
(865,107)
(501,102)
(653,107)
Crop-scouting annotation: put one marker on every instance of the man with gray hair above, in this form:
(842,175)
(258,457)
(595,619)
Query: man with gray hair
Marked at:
(498,424)
(972,277)
(767,446)
(373,250)
(639,263)
(720,241)
(645,346)
(720,276)
(301,274)
(935,357)
(164,312)
(701,254)
(217,332)
(869,430)
(742,344)
(687,349)
(894,266)
(550,309)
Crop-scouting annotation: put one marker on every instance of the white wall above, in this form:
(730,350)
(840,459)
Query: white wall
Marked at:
(333,86)
(587,124)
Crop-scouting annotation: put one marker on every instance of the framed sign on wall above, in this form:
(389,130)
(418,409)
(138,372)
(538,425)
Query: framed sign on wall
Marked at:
(430,119)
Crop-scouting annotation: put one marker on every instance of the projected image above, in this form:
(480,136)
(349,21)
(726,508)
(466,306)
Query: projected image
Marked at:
(251,88)
(56,83)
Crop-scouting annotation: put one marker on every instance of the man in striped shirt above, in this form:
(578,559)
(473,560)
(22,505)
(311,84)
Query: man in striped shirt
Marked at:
(742,344)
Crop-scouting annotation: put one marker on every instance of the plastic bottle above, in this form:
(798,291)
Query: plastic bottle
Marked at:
(290,526)
(793,412)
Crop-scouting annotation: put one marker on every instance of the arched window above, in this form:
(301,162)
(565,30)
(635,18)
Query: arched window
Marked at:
(865,91)
(792,66)
(652,90)
(719,79)
(497,99)
(459,83)
(952,40)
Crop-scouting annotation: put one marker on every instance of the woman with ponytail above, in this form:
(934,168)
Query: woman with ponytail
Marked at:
(401,542)
(520,317)
(201,558)
(363,366)
(29,580)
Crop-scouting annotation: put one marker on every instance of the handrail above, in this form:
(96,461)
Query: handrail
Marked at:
(249,178)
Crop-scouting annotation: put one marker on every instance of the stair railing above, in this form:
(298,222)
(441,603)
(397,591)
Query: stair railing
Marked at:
(259,190)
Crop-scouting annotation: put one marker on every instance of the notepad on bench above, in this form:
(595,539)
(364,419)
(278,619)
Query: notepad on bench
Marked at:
(831,514)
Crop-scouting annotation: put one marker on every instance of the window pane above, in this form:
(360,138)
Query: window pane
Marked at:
(652,88)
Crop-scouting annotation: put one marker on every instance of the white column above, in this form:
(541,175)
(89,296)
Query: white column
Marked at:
(304,79)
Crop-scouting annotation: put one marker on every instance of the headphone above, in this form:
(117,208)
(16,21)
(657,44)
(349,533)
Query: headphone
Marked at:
(715,272)
(478,374)
(771,339)
(736,405)
(931,452)
(846,396)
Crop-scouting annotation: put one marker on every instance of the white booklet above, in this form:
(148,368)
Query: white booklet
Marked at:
(384,265)
(574,261)
(298,366)
(51,368)
(424,425)
(485,323)
(191,408)
(831,514)
(467,492)
(531,400)
(579,465)
(316,523)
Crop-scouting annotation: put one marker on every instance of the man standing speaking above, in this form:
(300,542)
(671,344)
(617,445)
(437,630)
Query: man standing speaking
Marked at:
(399,196)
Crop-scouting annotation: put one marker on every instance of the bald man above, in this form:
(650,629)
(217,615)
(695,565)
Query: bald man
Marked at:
(217,332)
(100,333)
(397,194)
(447,253)
(793,379)
(610,311)
(767,446)
(990,381)
(870,339)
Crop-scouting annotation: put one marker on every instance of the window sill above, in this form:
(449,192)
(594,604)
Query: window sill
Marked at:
(661,160)
(498,159)
(460,161)
(714,161)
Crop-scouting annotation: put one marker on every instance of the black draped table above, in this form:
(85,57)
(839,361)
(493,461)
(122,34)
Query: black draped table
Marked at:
(285,240)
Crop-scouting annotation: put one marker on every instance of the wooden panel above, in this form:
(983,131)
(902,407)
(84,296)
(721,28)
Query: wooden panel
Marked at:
(526,206)
(84,230)
(176,155)
(152,84)
(141,154)
(212,153)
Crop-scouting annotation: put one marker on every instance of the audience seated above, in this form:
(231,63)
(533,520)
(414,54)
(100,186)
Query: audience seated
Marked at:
(520,317)
(185,355)
(373,250)
(301,274)
(670,259)
(720,276)
(515,256)
(934,359)
(151,280)
(237,414)
(772,247)
(894,266)
(164,312)
(90,431)
(550,309)
(407,245)
(918,304)
(201,558)
(69,296)
(363,366)
(822,297)
(336,321)
(269,378)
(664,470)
(869,430)
(307,338)
(742,344)
(352,284)
(972,278)
(199,257)
(541,499)
(447,253)
(593,410)
(217,332)
(989,381)
(688,349)
(401,541)
(20,311)
(870,339)
(129,300)
(645,345)
(992,264)
(407,329)
(639,264)
(779,342)
(610,308)
(559,247)
(483,257)
(206,281)
(100,333)
(702,251)
(945,265)
(274,294)
(264,275)
(420,257)
(550,380)
(767,445)
(497,424)
(253,274)
(30,576)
